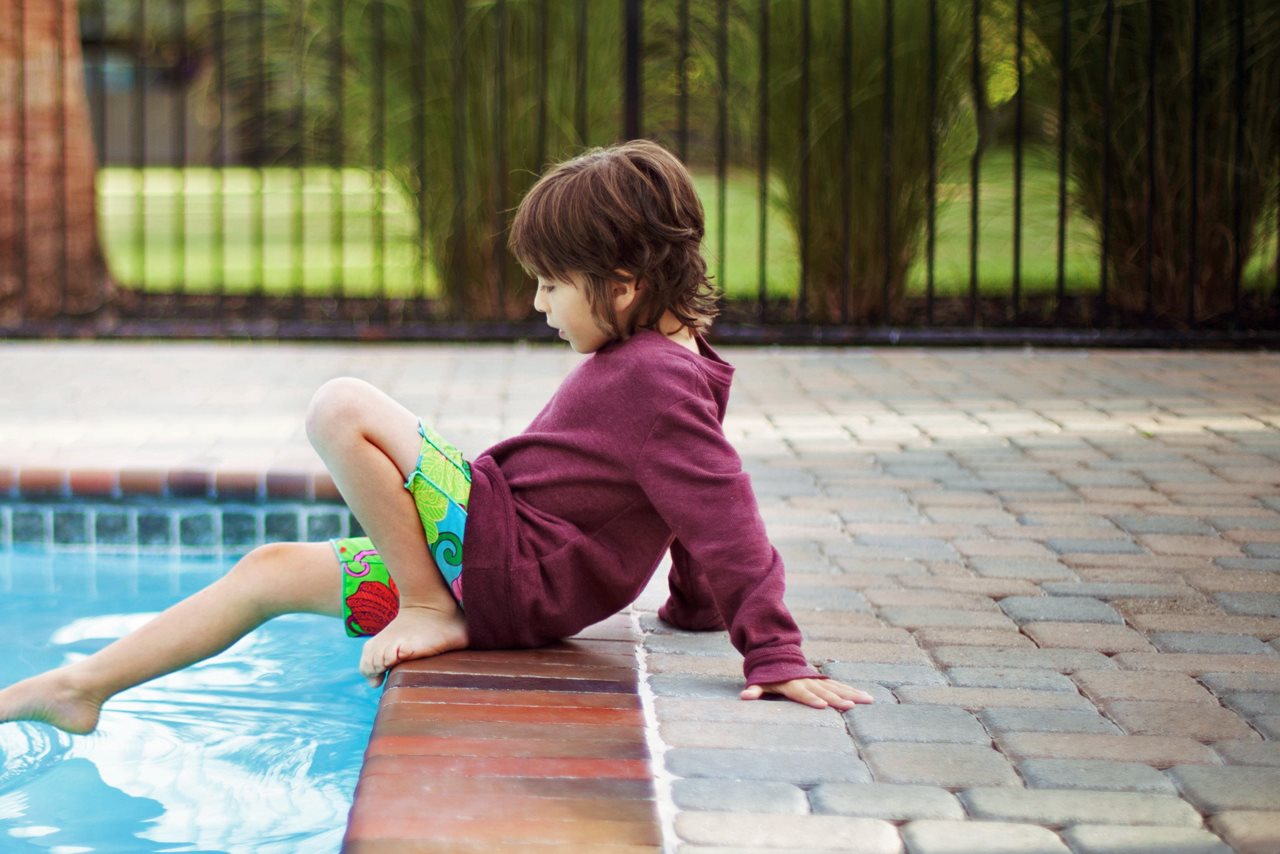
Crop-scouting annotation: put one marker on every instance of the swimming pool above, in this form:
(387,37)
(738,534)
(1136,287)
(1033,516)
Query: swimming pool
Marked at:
(257,749)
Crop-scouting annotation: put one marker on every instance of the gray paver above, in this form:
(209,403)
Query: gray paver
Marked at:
(1241,683)
(755,796)
(1205,642)
(1248,564)
(818,833)
(1254,704)
(946,765)
(1095,546)
(706,687)
(800,768)
(1268,725)
(1162,525)
(756,735)
(1060,807)
(915,724)
(919,618)
(1010,677)
(1215,790)
(1030,569)
(1004,721)
(733,710)
(988,837)
(1115,839)
(1094,774)
(826,599)
(1061,660)
(889,675)
(886,800)
(1059,609)
(1253,523)
(1246,752)
(1262,550)
(1117,590)
(702,643)
(1250,604)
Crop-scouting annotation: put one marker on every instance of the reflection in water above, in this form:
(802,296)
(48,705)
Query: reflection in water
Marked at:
(257,749)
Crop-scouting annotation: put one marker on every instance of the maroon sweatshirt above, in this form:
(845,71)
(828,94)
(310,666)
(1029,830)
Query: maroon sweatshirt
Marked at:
(568,521)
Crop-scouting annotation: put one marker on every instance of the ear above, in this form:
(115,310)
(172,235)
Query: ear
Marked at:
(623,290)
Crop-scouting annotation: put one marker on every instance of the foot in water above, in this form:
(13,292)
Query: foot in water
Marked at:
(51,698)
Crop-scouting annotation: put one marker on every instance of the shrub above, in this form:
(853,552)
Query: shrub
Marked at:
(1168,153)
(828,185)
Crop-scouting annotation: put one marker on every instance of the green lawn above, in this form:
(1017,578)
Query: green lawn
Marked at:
(316,231)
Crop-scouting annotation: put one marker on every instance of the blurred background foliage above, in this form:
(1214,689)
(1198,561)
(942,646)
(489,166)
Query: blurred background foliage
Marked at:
(455,101)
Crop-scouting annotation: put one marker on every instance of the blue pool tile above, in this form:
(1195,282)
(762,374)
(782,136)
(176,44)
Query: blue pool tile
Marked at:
(323,526)
(71,527)
(196,529)
(239,528)
(281,527)
(112,528)
(155,529)
(29,527)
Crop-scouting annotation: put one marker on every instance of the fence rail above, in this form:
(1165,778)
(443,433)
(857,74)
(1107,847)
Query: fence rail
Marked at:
(1055,171)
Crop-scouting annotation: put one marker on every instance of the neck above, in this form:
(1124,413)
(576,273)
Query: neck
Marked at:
(670,326)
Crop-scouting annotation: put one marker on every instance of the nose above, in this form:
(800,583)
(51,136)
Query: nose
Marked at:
(538,305)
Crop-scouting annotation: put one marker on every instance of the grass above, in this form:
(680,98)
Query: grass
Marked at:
(317,231)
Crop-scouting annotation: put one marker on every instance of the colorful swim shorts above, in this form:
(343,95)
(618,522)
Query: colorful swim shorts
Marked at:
(441,487)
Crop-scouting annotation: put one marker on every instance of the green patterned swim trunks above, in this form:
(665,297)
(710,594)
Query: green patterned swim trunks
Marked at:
(441,486)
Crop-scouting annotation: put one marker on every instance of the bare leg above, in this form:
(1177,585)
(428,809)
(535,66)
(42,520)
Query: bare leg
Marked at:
(370,444)
(271,580)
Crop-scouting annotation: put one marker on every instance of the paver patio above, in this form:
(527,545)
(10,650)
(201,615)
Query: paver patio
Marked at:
(1057,571)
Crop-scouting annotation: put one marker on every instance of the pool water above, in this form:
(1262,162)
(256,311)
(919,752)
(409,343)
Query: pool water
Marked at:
(257,749)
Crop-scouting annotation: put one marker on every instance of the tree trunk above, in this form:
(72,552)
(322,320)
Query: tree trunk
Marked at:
(51,262)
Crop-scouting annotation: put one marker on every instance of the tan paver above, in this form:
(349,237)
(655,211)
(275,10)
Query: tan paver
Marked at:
(1098,637)
(1249,832)
(1207,723)
(1102,685)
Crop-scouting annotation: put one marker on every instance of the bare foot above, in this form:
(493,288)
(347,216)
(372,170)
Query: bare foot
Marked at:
(51,698)
(416,632)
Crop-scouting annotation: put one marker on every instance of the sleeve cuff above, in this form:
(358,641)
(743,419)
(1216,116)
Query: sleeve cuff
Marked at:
(769,666)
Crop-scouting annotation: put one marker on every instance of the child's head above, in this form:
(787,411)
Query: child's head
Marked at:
(625,214)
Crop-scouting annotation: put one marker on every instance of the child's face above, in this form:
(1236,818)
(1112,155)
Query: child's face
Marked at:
(566,307)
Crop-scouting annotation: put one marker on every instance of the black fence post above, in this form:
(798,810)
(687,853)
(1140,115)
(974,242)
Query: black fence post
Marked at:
(763,187)
(975,164)
(633,27)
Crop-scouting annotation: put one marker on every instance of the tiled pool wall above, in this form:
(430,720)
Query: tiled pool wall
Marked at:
(204,526)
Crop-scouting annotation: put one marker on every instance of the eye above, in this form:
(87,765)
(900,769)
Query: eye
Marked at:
(546,289)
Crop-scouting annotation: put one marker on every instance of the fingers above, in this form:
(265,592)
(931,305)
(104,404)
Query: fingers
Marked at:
(817,693)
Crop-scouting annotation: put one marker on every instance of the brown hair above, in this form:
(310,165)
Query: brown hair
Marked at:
(630,206)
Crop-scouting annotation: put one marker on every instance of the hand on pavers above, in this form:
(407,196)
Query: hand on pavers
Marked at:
(417,631)
(819,693)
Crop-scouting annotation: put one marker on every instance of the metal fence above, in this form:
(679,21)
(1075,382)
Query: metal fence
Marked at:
(872,170)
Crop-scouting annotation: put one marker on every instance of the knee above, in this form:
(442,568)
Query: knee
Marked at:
(336,410)
(257,574)
(262,563)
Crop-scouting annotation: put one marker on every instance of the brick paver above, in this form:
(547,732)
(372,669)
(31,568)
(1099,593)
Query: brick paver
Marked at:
(1062,807)
(1064,565)
(1116,839)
